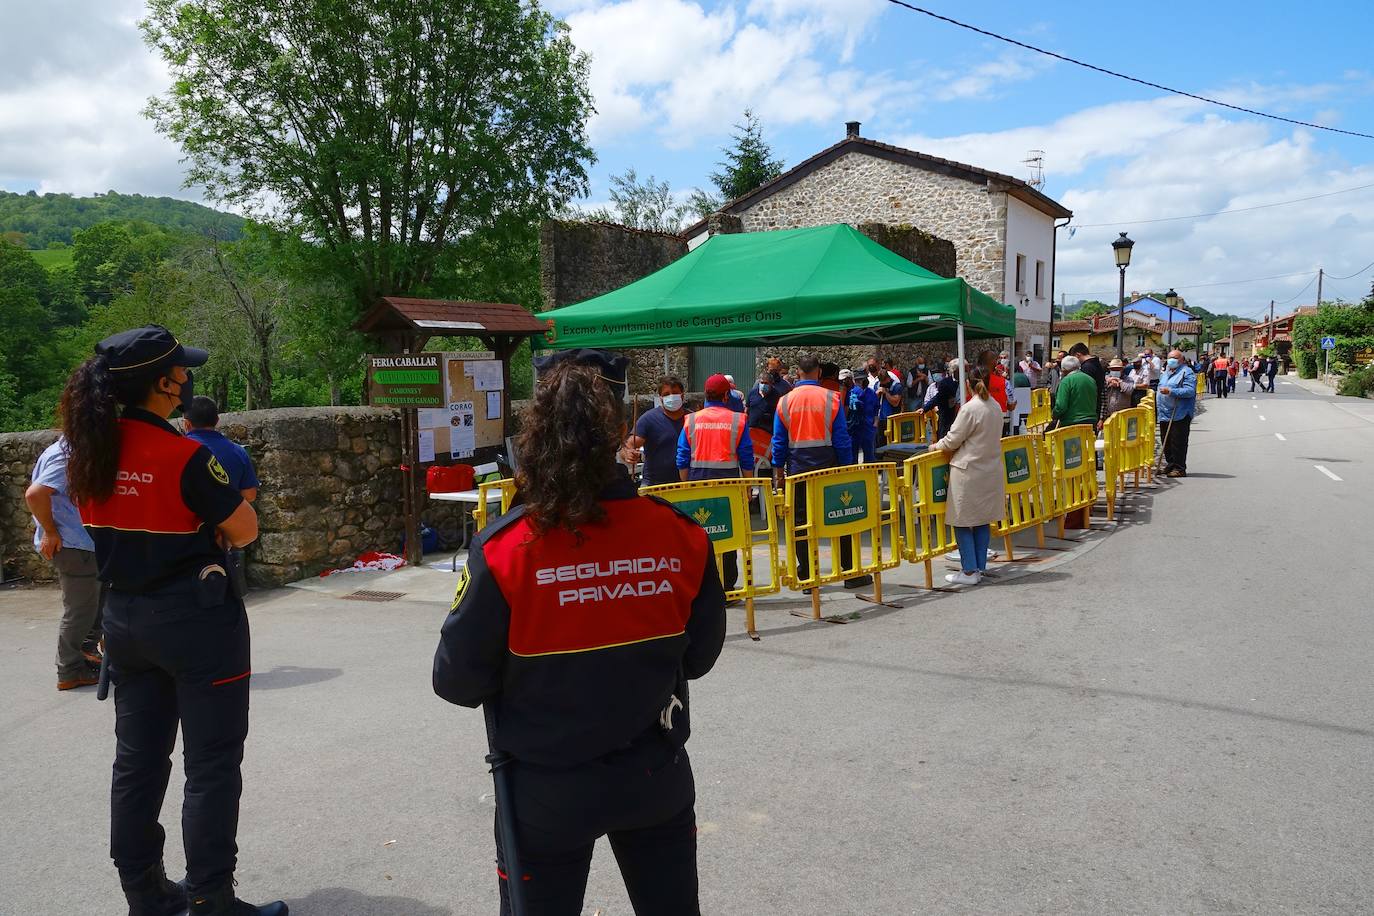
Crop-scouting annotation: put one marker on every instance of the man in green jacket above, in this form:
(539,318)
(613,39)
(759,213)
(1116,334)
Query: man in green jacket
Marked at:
(1075,401)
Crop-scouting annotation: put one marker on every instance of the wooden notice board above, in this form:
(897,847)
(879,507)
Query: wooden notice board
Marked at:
(473,415)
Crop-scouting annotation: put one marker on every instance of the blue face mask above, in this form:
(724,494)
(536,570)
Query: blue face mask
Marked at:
(764,389)
(1172,363)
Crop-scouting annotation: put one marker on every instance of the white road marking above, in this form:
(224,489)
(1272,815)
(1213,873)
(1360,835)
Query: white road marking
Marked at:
(1281,437)
(1261,416)
(1256,406)
(1326,472)
(1285,383)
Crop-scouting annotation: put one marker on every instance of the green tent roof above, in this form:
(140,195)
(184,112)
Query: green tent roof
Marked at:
(826,285)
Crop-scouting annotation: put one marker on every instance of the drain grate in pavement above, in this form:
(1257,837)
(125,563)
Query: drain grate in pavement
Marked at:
(364,594)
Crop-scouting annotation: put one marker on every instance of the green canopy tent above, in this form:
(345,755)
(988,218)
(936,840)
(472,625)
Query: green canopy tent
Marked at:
(812,287)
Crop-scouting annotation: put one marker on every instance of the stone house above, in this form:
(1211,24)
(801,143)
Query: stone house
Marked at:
(1099,333)
(1003,230)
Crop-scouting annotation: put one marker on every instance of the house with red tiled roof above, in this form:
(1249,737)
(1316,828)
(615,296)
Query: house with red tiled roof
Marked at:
(1142,331)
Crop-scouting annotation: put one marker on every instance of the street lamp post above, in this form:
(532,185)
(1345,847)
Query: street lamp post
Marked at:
(1171,300)
(1121,248)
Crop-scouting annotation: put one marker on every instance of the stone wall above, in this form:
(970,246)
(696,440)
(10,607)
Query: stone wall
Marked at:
(858,188)
(18,454)
(331,489)
(579,260)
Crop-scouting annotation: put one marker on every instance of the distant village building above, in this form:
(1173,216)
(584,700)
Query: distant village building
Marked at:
(1003,230)
(1142,330)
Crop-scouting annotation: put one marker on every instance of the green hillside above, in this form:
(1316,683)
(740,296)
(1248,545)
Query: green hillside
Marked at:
(53,258)
(35,221)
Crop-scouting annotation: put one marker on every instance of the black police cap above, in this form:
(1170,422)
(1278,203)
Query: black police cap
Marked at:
(612,366)
(148,350)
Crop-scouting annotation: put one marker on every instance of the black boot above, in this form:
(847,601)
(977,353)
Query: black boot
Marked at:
(222,901)
(151,894)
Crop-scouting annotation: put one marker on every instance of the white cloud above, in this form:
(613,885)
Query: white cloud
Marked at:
(984,80)
(1126,163)
(672,67)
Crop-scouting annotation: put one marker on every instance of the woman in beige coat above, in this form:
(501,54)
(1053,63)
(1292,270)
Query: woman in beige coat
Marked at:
(977,480)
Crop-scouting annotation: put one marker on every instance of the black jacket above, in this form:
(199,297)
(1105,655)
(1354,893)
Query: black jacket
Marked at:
(581,644)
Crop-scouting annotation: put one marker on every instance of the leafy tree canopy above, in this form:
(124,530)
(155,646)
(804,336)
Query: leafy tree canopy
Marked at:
(1090,308)
(383,130)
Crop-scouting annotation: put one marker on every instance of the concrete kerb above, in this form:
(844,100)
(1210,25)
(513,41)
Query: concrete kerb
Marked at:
(904,587)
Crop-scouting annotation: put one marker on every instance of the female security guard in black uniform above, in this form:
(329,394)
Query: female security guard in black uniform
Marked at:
(577,615)
(159,508)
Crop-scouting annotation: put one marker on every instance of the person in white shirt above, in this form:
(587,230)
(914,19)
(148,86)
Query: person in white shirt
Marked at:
(1031,370)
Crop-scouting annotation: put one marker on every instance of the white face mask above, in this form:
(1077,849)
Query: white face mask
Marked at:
(672,402)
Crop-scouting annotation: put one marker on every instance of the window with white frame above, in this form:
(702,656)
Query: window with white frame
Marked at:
(1140,340)
(1020,273)
(1040,279)
(1056,344)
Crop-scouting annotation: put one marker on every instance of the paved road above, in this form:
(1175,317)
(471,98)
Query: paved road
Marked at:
(1181,720)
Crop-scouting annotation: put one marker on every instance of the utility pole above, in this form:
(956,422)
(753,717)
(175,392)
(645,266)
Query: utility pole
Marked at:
(1320,271)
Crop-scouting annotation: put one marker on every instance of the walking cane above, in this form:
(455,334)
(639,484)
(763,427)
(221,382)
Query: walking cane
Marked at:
(500,762)
(1163,446)
(102,689)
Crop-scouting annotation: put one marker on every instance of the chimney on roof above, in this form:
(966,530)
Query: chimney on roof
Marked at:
(851,130)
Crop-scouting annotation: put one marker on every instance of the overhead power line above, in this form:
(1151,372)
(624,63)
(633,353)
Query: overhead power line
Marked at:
(1355,274)
(1299,292)
(1170,219)
(1123,76)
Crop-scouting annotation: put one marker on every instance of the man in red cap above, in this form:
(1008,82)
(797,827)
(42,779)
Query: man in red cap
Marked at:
(715,444)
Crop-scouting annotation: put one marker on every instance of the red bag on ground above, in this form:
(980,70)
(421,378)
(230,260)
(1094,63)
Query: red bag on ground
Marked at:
(450,478)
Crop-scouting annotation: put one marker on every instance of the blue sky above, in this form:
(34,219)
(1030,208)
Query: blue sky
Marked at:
(671,77)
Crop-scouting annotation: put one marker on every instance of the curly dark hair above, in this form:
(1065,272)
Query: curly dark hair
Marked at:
(90,422)
(568,439)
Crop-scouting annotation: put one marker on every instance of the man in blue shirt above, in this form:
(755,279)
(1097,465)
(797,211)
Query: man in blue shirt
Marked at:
(862,410)
(201,418)
(62,540)
(1177,399)
(656,433)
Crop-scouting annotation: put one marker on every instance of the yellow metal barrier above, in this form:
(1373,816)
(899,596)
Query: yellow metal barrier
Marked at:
(722,508)
(1129,442)
(1024,463)
(1072,479)
(1201,384)
(1040,412)
(841,505)
(925,494)
(480,513)
(905,427)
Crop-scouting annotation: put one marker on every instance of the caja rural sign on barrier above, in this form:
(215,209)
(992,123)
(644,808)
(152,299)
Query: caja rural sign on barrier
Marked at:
(1129,442)
(1022,461)
(1071,479)
(721,507)
(842,505)
(905,427)
(925,496)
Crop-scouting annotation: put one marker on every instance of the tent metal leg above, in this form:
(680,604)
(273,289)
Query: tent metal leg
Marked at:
(963,363)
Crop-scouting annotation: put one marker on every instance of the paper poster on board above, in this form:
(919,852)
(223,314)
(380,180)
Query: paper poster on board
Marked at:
(462,434)
(493,405)
(426,445)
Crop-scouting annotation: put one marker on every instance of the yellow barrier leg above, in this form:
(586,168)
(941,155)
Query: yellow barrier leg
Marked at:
(930,576)
(1010,555)
(878,588)
(749,619)
(816,603)
(1040,536)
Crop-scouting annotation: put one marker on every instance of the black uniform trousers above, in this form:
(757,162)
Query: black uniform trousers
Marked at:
(1175,439)
(642,798)
(173,661)
(801,548)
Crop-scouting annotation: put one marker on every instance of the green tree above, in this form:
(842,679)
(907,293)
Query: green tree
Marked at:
(748,162)
(1090,308)
(640,204)
(108,257)
(383,130)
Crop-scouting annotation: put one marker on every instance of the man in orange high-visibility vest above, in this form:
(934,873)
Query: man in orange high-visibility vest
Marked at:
(715,444)
(809,433)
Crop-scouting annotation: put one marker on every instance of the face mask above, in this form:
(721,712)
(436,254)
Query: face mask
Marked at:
(1172,363)
(921,366)
(672,402)
(1116,373)
(187,392)
(764,388)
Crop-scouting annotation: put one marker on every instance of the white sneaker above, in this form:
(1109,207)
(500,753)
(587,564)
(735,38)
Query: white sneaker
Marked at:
(954,556)
(963,578)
